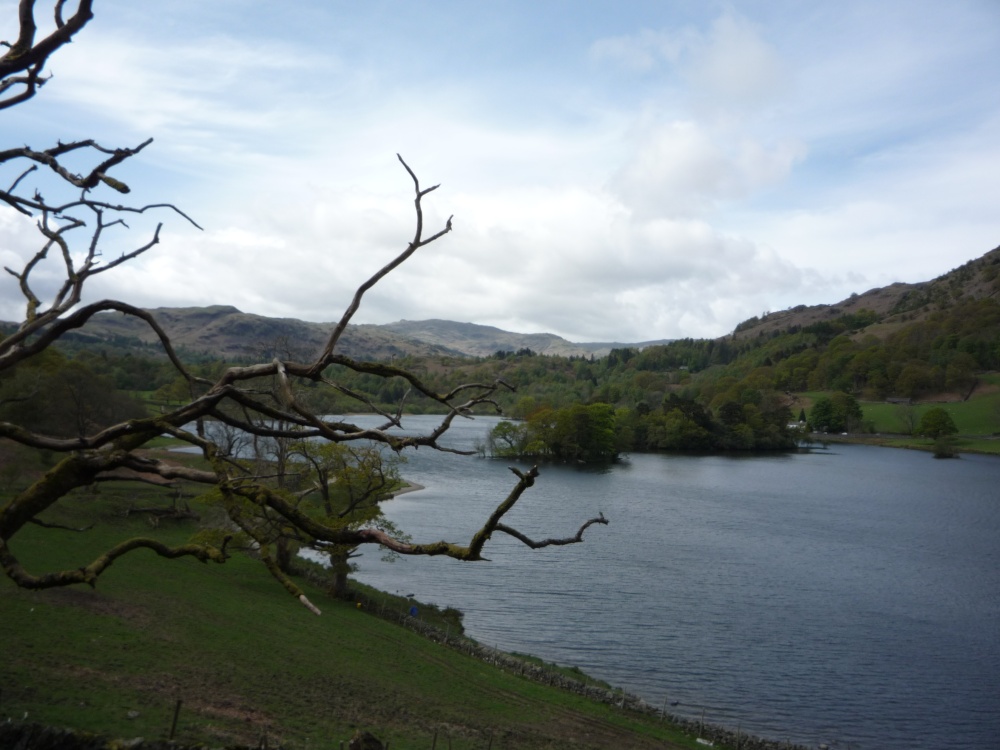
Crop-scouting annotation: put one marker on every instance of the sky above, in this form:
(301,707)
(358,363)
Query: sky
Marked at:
(617,171)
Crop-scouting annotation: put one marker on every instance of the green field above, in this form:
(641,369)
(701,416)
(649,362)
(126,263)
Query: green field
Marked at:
(247,661)
(978,419)
(979,416)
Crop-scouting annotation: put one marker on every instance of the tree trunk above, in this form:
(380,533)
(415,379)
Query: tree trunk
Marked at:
(339,568)
(284,555)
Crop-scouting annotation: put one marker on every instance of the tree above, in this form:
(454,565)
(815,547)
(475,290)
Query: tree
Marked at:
(581,433)
(908,418)
(340,484)
(936,423)
(258,399)
(837,413)
(508,440)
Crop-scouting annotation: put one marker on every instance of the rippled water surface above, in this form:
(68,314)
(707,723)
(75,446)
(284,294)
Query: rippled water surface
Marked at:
(846,595)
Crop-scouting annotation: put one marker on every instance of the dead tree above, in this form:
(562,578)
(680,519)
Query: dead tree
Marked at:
(22,67)
(259,400)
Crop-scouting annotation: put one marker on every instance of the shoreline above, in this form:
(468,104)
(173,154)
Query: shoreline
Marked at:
(550,673)
(407,487)
(885,440)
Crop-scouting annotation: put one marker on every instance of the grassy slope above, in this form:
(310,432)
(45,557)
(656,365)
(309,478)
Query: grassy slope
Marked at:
(977,419)
(246,660)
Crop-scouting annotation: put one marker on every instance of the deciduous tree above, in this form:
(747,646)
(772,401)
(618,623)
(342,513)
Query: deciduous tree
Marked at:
(937,422)
(835,413)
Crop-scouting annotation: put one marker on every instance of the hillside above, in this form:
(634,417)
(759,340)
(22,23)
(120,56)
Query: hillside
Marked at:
(894,305)
(224,332)
(482,341)
(251,666)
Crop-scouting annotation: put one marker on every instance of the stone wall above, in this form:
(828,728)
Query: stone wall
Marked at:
(37,737)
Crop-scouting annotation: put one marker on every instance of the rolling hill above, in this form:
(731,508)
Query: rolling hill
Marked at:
(223,331)
(893,306)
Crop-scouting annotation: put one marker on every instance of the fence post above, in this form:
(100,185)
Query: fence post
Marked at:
(173,724)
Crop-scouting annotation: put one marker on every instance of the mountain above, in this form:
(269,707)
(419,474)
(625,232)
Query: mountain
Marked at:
(482,341)
(893,306)
(224,331)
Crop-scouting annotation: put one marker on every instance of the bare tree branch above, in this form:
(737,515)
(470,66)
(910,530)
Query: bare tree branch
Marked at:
(47,525)
(416,243)
(90,573)
(550,542)
(24,61)
(261,401)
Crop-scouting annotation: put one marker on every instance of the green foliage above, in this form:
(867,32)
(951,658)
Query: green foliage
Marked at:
(839,412)
(63,397)
(944,447)
(578,433)
(508,440)
(597,433)
(937,423)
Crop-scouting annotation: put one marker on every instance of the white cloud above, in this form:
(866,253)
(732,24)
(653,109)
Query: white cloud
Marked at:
(730,65)
(205,87)
(643,51)
(733,66)
(679,169)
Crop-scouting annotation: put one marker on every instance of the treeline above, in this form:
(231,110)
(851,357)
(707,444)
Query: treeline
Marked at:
(941,353)
(600,433)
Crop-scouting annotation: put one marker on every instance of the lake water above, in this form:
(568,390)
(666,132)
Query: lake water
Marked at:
(849,595)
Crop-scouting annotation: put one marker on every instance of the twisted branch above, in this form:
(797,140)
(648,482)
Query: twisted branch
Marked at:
(254,504)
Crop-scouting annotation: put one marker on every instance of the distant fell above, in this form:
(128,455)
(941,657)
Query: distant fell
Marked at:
(476,340)
(893,306)
(223,331)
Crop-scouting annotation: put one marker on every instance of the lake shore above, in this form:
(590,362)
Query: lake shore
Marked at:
(408,487)
(987,445)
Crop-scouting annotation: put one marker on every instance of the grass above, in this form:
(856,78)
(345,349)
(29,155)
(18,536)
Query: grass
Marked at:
(978,420)
(978,416)
(247,661)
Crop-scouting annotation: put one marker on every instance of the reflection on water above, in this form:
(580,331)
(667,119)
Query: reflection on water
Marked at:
(849,595)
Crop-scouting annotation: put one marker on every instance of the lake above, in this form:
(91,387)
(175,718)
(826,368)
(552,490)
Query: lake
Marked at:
(847,595)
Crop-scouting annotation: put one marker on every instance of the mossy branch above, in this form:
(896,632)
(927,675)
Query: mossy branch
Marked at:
(90,573)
